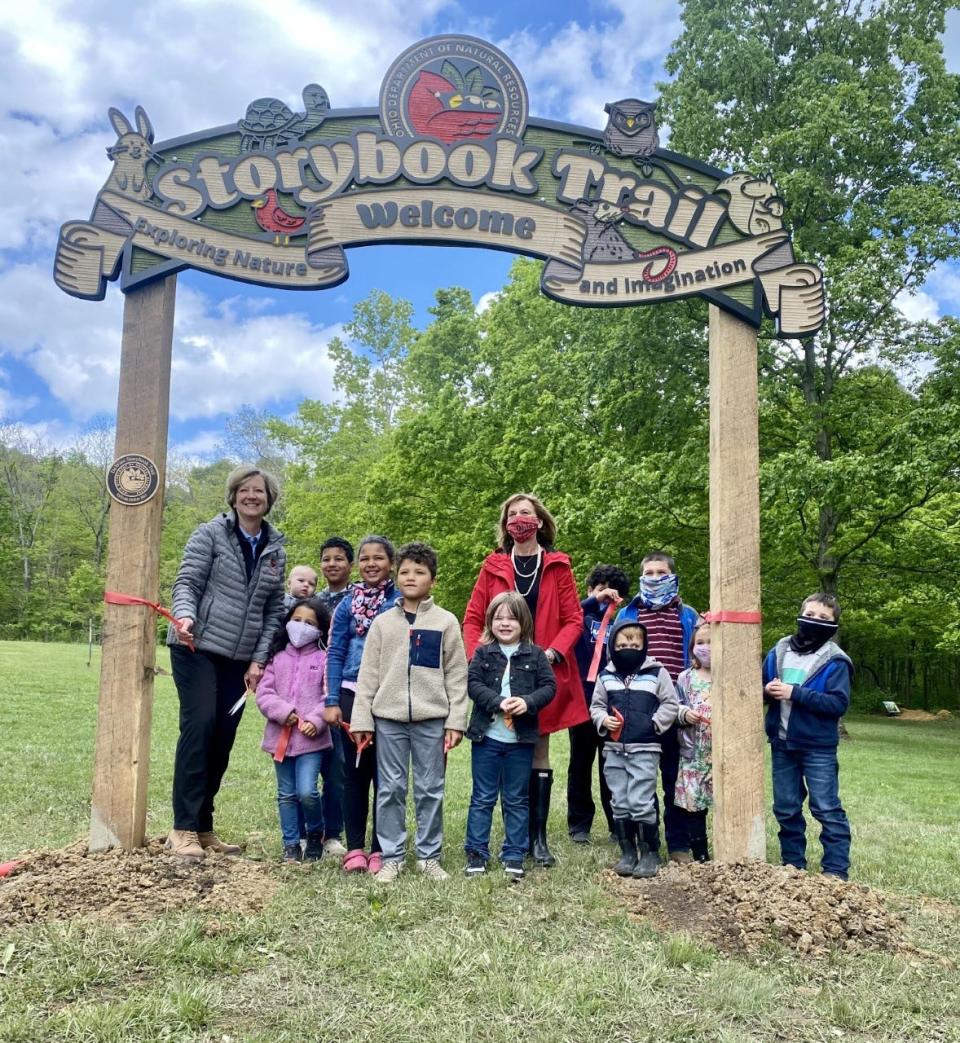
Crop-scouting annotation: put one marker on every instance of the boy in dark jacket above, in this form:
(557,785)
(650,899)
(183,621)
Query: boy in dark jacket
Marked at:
(634,703)
(509,680)
(607,586)
(806,684)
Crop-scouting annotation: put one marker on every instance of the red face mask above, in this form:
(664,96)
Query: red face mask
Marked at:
(522,527)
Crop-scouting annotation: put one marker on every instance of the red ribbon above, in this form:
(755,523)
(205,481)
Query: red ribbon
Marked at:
(601,638)
(111,597)
(282,742)
(732,617)
(615,733)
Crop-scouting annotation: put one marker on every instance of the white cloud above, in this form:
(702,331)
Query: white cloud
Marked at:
(486,300)
(918,307)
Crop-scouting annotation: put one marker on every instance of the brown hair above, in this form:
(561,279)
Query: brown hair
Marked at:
(519,611)
(828,600)
(659,555)
(240,474)
(546,534)
(693,641)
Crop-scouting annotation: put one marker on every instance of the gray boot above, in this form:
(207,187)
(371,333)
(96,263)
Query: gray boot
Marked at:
(626,832)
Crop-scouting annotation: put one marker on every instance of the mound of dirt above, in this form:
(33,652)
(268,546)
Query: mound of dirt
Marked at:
(741,906)
(128,886)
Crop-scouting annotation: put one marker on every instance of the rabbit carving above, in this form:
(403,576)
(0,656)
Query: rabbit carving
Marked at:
(130,155)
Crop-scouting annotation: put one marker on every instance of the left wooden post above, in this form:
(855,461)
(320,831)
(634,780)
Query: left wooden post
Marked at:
(121,770)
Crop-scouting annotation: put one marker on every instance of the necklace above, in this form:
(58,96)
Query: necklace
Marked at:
(518,575)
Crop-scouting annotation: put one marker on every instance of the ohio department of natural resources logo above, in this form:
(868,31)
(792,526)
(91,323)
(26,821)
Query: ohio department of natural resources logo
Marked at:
(132,479)
(453,88)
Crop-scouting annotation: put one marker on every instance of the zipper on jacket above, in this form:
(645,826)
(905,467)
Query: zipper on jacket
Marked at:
(416,644)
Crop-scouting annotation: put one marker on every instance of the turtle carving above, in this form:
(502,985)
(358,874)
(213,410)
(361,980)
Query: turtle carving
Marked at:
(269,123)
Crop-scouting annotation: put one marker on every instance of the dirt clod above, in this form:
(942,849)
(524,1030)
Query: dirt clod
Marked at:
(740,907)
(128,886)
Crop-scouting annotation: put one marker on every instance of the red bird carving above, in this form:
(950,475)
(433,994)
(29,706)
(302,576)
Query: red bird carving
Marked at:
(437,108)
(271,217)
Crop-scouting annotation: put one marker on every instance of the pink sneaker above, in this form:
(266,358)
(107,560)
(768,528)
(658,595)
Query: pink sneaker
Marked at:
(355,861)
(375,863)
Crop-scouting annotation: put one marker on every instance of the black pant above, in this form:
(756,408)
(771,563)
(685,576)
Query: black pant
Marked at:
(585,745)
(674,828)
(694,824)
(208,685)
(358,781)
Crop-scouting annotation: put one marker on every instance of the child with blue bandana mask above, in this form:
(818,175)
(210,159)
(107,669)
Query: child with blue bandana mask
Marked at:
(670,625)
(806,685)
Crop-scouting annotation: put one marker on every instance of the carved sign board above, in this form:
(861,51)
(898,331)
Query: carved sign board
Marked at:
(450,156)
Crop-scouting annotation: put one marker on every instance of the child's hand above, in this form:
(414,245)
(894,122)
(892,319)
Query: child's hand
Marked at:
(514,706)
(359,737)
(308,729)
(291,719)
(606,595)
(451,739)
(610,723)
(778,689)
(333,715)
(693,717)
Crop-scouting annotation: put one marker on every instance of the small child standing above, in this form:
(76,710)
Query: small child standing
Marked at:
(694,793)
(806,684)
(510,681)
(291,695)
(412,694)
(301,583)
(634,704)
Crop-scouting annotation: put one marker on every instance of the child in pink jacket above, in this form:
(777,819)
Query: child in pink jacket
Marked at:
(291,696)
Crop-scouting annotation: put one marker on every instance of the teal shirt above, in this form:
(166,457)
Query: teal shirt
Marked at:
(497,728)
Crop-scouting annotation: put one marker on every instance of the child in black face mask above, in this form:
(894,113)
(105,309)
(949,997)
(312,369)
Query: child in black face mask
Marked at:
(634,703)
(806,684)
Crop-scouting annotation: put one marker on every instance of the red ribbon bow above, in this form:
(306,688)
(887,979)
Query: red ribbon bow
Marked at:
(111,597)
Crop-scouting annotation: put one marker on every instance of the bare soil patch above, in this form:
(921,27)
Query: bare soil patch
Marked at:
(741,907)
(128,886)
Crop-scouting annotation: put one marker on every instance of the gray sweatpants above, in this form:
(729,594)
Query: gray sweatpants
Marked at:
(397,744)
(632,778)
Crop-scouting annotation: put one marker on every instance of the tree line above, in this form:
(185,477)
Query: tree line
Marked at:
(603,413)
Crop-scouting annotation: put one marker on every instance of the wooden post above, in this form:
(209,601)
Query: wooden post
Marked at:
(122,759)
(738,735)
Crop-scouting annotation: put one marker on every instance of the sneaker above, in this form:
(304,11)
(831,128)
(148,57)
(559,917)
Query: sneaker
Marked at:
(431,869)
(389,871)
(355,862)
(209,841)
(374,863)
(184,843)
(476,864)
(681,857)
(292,853)
(332,848)
(513,871)
(313,850)
(580,837)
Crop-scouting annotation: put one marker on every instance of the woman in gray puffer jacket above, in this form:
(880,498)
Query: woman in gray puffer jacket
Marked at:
(228,600)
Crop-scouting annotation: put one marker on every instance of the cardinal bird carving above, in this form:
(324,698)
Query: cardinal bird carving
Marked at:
(271,217)
(437,108)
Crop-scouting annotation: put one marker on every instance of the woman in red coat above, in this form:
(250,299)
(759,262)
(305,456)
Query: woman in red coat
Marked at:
(526,562)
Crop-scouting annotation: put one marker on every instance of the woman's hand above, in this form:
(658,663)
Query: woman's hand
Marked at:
(309,729)
(185,626)
(333,715)
(253,675)
(514,706)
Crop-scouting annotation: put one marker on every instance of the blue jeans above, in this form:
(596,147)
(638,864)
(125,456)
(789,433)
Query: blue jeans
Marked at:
(500,769)
(331,771)
(296,792)
(814,773)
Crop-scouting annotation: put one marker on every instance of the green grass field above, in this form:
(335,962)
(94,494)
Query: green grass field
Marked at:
(555,959)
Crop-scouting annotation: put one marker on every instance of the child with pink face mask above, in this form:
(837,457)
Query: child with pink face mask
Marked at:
(694,792)
(291,696)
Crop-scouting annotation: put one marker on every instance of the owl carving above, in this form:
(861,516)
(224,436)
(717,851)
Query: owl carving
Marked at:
(632,128)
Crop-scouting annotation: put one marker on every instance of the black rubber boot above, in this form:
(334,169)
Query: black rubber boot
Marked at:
(698,848)
(541,782)
(313,852)
(626,832)
(648,863)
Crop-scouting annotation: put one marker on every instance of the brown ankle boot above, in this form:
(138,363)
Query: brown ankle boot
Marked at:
(209,841)
(184,843)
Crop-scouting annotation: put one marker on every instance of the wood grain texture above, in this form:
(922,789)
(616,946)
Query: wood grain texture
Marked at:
(738,735)
(122,756)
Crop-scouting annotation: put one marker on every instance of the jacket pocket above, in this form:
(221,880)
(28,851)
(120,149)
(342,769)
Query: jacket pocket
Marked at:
(425,648)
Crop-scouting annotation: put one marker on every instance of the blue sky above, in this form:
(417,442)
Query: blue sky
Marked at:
(195,64)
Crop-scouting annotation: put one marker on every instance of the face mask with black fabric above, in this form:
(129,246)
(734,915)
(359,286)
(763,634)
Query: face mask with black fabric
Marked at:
(811,635)
(628,660)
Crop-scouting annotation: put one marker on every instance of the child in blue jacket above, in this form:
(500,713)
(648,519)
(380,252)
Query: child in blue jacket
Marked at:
(806,685)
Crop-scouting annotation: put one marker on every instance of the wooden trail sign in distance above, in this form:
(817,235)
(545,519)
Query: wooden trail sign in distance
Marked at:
(451,156)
